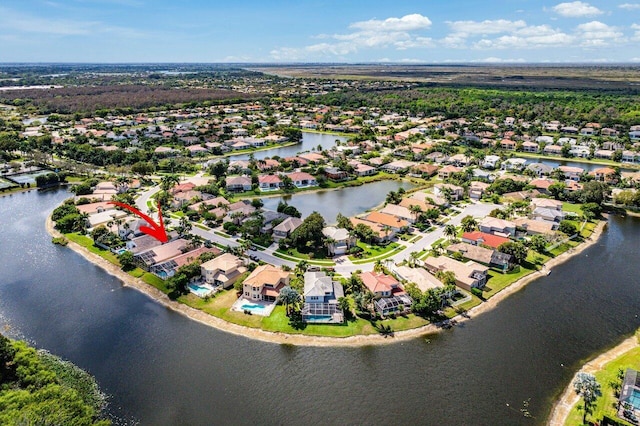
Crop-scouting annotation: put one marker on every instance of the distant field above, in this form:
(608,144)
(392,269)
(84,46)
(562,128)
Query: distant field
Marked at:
(613,78)
(82,99)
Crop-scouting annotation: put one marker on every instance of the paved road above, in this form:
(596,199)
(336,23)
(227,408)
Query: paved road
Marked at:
(477,210)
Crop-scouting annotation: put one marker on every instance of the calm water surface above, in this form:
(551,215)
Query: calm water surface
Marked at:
(310,142)
(162,369)
(348,201)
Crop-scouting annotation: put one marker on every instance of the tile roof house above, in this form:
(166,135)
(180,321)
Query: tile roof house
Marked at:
(269,182)
(223,270)
(492,225)
(468,275)
(238,183)
(146,259)
(395,224)
(265,283)
(321,294)
(477,238)
(302,179)
(341,242)
(482,255)
(389,294)
(285,228)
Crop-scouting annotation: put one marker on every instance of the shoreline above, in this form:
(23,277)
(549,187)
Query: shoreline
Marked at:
(563,405)
(308,340)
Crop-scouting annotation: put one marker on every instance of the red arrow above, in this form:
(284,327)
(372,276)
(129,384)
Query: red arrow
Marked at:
(156,231)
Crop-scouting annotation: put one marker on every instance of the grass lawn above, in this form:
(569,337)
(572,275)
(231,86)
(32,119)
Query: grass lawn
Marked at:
(155,281)
(373,250)
(572,208)
(318,254)
(499,281)
(87,243)
(606,403)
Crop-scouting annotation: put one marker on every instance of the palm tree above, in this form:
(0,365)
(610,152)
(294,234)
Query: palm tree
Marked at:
(121,182)
(185,226)
(329,243)
(468,223)
(378,267)
(415,211)
(169,181)
(290,298)
(450,231)
(344,305)
(413,258)
(386,229)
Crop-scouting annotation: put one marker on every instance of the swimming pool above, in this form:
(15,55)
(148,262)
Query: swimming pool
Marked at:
(318,318)
(254,308)
(634,399)
(200,291)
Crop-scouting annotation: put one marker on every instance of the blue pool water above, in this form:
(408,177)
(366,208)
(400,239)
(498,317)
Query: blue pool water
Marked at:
(318,318)
(258,309)
(199,291)
(634,399)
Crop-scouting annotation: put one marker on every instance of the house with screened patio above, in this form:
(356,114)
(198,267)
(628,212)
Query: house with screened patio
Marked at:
(321,294)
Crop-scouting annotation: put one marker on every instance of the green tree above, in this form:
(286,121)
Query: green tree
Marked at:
(588,389)
(516,249)
(343,221)
(309,233)
(538,243)
(591,211)
(290,298)
(126,260)
(169,181)
(450,231)
(344,305)
(567,227)
(468,223)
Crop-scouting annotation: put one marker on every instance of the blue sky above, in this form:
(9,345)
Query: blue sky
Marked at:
(429,31)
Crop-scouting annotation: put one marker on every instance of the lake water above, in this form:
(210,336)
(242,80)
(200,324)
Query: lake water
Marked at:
(348,201)
(310,142)
(560,162)
(161,368)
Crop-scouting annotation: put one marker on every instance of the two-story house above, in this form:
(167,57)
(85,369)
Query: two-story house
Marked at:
(321,294)
(223,270)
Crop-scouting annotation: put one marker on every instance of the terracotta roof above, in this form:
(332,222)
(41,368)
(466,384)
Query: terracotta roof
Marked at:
(484,238)
(377,282)
(386,219)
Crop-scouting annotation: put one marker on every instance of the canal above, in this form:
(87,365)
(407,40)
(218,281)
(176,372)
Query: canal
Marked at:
(161,368)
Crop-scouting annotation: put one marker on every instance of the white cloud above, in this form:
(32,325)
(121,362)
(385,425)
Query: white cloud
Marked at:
(397,33)
(636,35)
(485,27)
(411,22)
(630,6)
(576,9)
(598,34)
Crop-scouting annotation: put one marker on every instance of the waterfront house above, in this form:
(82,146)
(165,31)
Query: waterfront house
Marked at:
(169,267)
(571,173)
(321,294)
(547,214)
(482,238)
(390,297)
(604,174)
(536,227)
(335,174)
(419,276)
(146,259)
(238,183)
(482,255)
(302,179)
(265,283)
(380,232)
(223,270)
(468,275)
(269,182)
(399,212)
(387,221)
